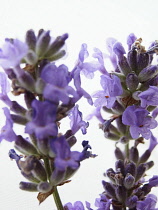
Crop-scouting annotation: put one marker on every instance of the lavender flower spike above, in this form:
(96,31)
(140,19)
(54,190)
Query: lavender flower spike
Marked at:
(111,89)
(139,121)
(11,53)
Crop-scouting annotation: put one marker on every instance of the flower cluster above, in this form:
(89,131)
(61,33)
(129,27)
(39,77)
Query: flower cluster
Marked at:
(50,93)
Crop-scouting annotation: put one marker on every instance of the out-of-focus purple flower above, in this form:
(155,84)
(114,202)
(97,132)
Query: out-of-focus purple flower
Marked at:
(149,97)
(64,157)
(109,45)
(43,120)
(57,80)
(139,121)
(153,182)
(87,68)
(130,40)
(7,132)
(12,52)
(153,143)
(111,88)
(103,203)
(155,113)
(96,113)
(76,122)
(148,204)
(78,205)
(99,55)
(5,88)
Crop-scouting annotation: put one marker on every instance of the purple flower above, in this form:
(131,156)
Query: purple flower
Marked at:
(5,88)
(111,88)
(139,121)
(103,202)
(57,80)
(7,132)
(64,157)
(148,204)
(76,121)
(43,120)
(87,68)
(149,97)
(78,205)
(153,143)
(96,113)
(109,44)
(12,52)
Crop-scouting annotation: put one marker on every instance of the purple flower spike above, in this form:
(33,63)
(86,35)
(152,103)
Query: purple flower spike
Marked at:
(12,53)
(139,121)
(64,157)
(7,132)
(78,205)
(148,204)
(57,80)
(149,97)
(76,121)
(111,88)
(42,125)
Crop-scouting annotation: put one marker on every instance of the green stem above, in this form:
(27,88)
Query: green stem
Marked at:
(47,167)
(127,150)
(57,199)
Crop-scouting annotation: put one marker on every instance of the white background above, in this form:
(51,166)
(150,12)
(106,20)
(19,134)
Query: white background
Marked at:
(92,22)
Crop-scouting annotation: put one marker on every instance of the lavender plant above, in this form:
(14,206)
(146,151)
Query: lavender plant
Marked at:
(50,93)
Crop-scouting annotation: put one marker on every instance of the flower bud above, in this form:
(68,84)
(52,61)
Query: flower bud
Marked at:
(29,97)
(58,55)
(119,50)
(109,189)
(31,39)
(124,66)
(119,165)
(132,59)
(130,40)
(42,44)
(121,193)
(121,127)
(110,173)
(143,61)
(145,156)
(148,73)
(134,154)
(19,119)
(17,108)
(111,136)
(57,177)
(140,171)
(26,81)
(117,108)
(124,140)
(44,187)
(30,177)
(56,45)
(25,146)
(149,165)
(132,81)
(131,168)
(129,181)
(28,186)
(31,58)
(119,154)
